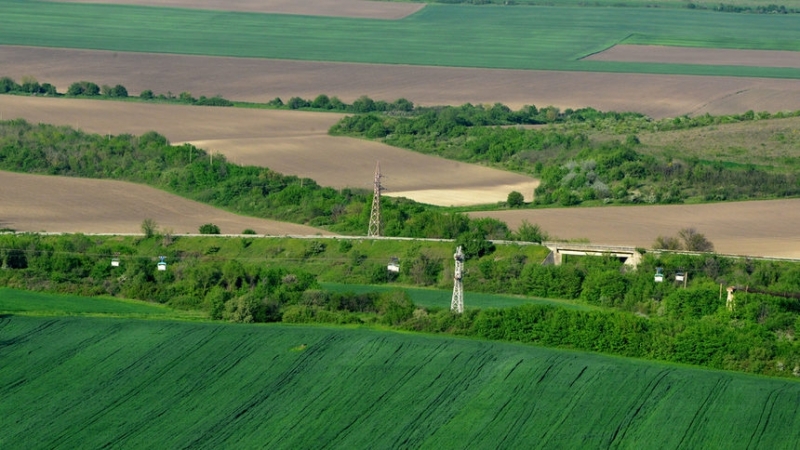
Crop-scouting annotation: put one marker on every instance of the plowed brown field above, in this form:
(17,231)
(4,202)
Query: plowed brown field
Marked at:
(290,142)
(78,205)
(261,80)
(762,228)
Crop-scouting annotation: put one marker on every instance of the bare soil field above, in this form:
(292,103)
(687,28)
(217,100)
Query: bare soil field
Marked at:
(759,228)
(333,8)
(260,80)
(78,205)
(289,142)
(703,56)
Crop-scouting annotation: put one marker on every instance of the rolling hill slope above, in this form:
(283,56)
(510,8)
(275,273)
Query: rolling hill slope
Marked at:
(88,382)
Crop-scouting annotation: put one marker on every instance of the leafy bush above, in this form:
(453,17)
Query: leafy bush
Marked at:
(209,228)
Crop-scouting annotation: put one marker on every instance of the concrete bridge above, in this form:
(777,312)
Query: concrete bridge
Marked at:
(628,255)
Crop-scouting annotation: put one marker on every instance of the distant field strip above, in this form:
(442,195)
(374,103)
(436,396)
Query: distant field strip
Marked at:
(685,55)
(550,38)
(438,298)
(92,383)
(334,8)
(755,228)
(261,80)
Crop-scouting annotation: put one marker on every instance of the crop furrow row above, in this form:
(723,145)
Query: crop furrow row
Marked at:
(645,396)
(698,418)
(763,421)
(567,410)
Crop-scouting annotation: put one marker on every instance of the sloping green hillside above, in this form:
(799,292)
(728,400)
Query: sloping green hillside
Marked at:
(91,383)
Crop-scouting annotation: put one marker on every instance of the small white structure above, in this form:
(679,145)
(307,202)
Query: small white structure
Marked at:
(115,261)
(731,303)
(659,277)
(394,265)
(680,276)
(162,265)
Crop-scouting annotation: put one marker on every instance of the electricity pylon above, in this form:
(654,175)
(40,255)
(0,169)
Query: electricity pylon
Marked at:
(374,229)
(457,304)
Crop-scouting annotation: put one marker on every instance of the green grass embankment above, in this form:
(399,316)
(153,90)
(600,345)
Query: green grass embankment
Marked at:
(19,302)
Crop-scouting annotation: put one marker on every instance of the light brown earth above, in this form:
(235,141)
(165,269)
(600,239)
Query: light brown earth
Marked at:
(260,80)
(762,228)
(334,8)
(77,205)
(289,142)
(703,56)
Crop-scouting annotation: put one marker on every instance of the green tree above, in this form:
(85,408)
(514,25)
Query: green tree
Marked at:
(297,103)
(515,199)
(209,228)
(528,232)
(118,91)
(146,94)
(474,244)
(667,243)
(186,97)
(8,85)
(694,241)
(149,228)
(86,88)
(321,102)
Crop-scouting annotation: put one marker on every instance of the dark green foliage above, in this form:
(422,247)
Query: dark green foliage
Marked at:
(213,101)
(515,199)
(696,303)
(530,232)
(8,85)
(474,244)
(209,228)
(297,103)
(84,88)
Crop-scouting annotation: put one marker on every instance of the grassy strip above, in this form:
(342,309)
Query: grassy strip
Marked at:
(439,298)
(550,38)
(16,301)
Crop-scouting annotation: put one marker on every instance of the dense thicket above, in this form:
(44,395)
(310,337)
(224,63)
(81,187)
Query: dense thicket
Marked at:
(631,315)
(573,168)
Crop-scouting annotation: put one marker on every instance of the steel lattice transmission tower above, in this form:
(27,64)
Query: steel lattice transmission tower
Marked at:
(375,216)
(457,304)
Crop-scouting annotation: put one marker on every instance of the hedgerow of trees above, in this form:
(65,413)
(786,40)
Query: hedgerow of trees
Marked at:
(691,325)
(572,168)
